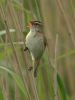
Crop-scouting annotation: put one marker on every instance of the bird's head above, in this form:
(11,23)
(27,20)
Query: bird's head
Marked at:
(35,25)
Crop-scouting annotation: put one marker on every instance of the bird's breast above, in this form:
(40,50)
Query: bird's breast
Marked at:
(35,45)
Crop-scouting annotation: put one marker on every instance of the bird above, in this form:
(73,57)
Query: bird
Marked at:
(35,42)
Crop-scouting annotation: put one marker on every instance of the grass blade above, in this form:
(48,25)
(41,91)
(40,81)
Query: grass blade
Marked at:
(16,78)
(62,88)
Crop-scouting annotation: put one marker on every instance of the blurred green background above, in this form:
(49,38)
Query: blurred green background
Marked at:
(55,80)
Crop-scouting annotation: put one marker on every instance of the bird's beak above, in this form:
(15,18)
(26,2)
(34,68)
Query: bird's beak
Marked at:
(29,25)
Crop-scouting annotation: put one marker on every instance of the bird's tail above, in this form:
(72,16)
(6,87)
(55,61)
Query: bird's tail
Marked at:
(35,67)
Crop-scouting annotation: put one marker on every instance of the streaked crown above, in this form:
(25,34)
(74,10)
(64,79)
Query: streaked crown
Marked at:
(35,23)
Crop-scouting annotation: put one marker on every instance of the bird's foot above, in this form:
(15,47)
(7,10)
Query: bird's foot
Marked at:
(30,68)
(25,49)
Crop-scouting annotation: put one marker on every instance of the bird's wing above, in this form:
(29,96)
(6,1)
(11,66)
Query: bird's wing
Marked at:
(45,40)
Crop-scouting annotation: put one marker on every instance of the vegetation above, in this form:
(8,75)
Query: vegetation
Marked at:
(55,80)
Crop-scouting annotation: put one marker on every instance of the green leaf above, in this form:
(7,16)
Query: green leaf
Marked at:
(62,89)
(37,9)
(16,78)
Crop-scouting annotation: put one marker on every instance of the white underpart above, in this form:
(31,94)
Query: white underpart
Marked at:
(35,44)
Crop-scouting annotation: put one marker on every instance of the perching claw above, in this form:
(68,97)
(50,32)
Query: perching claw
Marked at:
(30,68)
(25,49)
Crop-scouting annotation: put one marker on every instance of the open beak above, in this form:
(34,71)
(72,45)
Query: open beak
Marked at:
(29,25)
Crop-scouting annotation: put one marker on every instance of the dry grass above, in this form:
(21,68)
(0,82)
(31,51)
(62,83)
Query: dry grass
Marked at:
(58,18)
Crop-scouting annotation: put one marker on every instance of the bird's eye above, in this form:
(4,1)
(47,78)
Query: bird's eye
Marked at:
(36,24)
